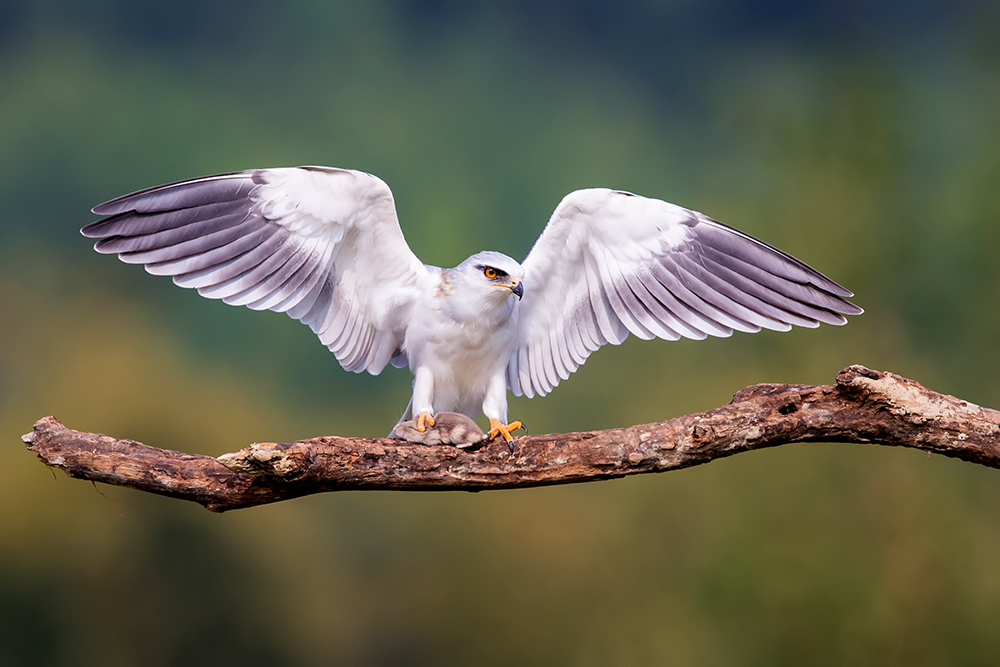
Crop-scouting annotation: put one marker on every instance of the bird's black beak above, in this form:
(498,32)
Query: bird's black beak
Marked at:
(518,289)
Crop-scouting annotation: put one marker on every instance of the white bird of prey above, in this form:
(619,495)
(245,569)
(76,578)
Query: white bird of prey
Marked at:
(324,245)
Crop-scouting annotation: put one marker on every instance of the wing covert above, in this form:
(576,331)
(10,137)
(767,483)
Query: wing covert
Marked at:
(320,244)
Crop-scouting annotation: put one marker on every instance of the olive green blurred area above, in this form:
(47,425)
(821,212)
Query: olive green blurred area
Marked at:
(861,137)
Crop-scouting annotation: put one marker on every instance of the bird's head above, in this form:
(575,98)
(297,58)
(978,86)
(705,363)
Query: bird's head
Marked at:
(493,275)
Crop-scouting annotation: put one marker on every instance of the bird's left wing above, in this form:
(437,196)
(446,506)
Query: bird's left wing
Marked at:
(320,244)
(610,263)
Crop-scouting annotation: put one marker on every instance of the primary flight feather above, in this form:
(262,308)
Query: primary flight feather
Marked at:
(324,245)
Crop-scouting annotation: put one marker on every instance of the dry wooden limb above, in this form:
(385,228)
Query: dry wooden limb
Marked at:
(864,406)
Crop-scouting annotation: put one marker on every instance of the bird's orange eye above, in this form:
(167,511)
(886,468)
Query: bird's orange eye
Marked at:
(490,272)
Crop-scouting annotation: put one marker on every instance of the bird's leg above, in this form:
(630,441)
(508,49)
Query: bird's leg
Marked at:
(422,401)
(424,419)
(497,427)
(495,408)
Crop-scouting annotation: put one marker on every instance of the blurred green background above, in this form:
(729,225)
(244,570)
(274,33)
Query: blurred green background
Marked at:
(861,137)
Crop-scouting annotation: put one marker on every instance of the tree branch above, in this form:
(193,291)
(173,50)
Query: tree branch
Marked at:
(864,406)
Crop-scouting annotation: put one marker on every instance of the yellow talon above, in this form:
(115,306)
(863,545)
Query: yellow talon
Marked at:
(424,419)
(497,427)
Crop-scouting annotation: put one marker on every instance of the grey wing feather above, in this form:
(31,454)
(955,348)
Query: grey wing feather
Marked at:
(195,192)
(288,240)
(611,263)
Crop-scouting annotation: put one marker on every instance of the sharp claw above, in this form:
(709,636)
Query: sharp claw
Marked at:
(499,428)
(424,419)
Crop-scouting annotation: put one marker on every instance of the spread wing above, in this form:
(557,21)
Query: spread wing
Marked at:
(611,263)
(320,244)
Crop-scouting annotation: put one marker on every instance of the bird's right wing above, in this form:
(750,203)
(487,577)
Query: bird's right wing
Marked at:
(610,263)
(321,244)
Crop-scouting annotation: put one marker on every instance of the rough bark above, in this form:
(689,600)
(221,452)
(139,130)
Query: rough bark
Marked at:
(864,406)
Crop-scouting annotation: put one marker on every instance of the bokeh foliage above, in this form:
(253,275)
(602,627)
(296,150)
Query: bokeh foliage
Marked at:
(863,139)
